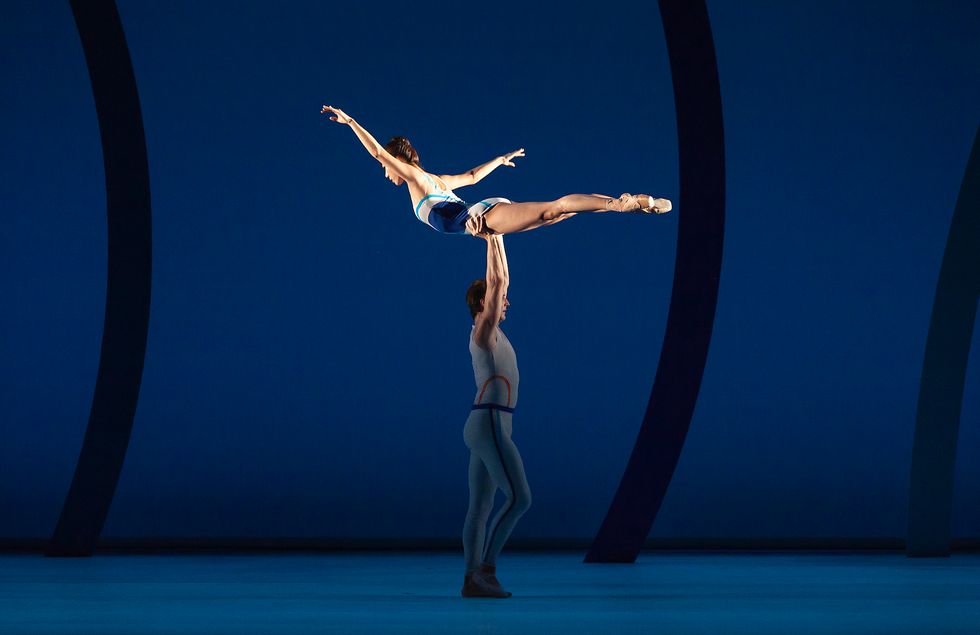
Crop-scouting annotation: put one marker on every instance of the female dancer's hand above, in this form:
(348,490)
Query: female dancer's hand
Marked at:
(339,115)
(510,155)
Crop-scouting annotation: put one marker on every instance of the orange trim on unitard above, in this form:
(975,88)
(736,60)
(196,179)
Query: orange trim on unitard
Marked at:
(487,383)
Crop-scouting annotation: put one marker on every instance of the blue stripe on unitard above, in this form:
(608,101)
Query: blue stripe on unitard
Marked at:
(513,492)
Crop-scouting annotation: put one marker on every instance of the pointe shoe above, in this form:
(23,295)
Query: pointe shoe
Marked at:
(659,206)
(630,203)
(625,203)
(478,585)
(638,203)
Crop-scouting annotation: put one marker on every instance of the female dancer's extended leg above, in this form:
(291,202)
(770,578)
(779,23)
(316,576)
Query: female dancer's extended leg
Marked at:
(508,218)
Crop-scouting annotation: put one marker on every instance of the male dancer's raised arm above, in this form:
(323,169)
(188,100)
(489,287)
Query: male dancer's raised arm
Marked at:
(498,279)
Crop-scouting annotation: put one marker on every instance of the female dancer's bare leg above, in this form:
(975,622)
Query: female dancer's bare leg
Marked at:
(508,218)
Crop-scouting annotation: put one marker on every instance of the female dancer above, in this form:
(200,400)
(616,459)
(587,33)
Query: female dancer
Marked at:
(437,206)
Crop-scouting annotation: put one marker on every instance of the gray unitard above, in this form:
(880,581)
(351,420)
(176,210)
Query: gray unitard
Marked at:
(494,459)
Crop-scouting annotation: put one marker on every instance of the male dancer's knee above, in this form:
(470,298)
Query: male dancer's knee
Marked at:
(520,501)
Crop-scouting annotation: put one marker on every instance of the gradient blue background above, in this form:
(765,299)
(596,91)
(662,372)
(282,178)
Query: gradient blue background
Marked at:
(307,372)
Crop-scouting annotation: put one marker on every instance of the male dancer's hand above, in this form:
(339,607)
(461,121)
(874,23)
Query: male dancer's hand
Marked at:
(477,226)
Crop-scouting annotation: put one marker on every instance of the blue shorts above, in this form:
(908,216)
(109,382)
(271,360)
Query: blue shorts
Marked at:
(449,217)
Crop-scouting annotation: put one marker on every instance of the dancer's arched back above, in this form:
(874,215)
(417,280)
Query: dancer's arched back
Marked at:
(437,205)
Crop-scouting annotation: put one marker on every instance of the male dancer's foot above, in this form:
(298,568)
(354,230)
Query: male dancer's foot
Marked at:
(490,572)
(483,583)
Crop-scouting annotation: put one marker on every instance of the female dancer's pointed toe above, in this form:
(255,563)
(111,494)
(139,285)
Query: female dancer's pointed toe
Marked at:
(625,203)
(638,203)
(659,206)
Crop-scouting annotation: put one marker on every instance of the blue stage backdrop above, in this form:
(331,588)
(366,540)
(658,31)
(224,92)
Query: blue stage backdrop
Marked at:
(307,372)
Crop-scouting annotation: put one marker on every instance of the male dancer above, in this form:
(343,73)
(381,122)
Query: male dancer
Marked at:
(494,459)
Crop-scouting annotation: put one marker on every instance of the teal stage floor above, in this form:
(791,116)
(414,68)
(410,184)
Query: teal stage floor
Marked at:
(554,592)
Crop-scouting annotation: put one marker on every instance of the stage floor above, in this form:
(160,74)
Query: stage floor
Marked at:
(554,592)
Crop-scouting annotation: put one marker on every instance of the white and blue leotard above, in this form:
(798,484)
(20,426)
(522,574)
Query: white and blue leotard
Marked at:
(445,212)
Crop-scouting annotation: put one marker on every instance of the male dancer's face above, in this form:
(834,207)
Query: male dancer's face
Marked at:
(503,311)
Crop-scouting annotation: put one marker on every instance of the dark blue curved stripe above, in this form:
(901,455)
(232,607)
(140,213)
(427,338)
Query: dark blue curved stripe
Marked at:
(492,406)
(127,310)
(701,146)
(494,424)
(937,418)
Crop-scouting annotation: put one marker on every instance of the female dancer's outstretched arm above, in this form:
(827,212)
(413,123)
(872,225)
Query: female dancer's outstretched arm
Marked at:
(478,173)
(371,144)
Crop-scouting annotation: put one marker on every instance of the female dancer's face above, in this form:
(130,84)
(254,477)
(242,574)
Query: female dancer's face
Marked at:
(394,178)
